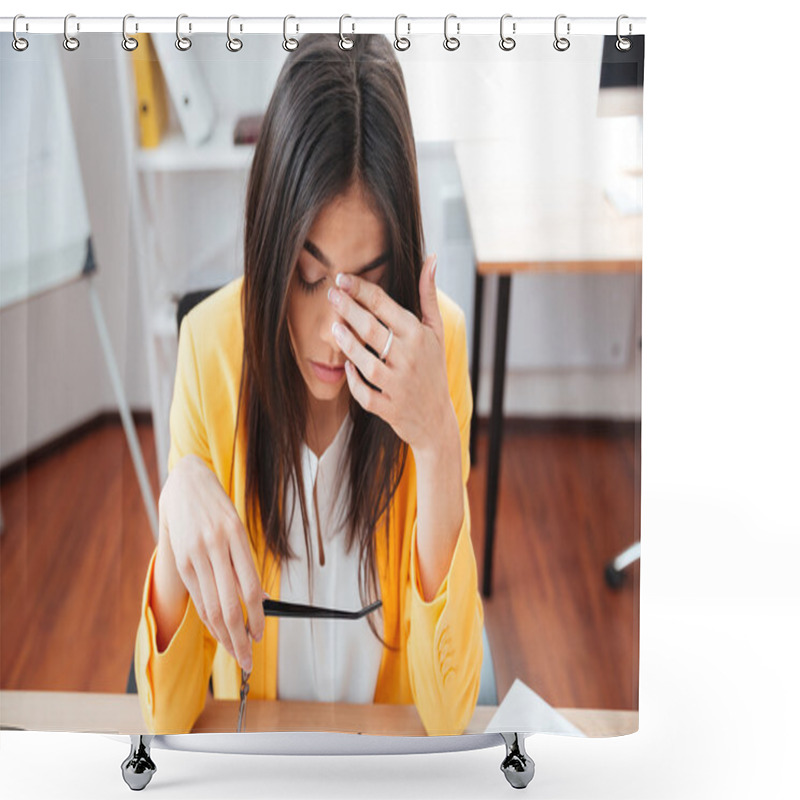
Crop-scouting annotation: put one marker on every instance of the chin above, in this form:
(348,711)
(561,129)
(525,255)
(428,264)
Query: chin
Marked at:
(320,390)
(326,391)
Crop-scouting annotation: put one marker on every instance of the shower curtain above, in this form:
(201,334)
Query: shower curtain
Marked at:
(527,156)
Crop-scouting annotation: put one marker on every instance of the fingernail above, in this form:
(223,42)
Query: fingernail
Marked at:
(344,281)
(334,296)
(433,269)
(337,331)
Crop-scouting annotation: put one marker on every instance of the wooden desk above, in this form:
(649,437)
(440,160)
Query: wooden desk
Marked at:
(521,221)
(120,713)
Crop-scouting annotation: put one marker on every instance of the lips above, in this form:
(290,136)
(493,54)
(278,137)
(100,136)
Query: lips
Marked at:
(328,373)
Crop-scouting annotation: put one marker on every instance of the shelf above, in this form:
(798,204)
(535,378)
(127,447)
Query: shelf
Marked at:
(218,153)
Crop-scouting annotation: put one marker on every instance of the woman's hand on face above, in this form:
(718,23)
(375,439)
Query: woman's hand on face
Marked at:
(212,556)
(414,397)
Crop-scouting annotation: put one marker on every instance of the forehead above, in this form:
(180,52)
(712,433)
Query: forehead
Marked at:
(348,232)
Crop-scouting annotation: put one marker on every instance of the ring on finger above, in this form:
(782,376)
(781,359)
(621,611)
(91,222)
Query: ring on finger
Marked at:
(388,346)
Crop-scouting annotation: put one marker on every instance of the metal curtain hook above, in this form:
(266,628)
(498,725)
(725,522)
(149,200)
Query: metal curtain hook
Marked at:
(622,43)
(128,42)
(561,43)
(288,44)
(451,42)
(401,43)
(183,43)
(18,43)
(506,42)
(234,45)
(70,42)
(344,42)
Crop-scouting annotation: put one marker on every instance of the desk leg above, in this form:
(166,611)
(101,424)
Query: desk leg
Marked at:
(496,426)
(477,322)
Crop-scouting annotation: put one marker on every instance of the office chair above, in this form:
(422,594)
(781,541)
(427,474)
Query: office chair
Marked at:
(615,569)
(188,301)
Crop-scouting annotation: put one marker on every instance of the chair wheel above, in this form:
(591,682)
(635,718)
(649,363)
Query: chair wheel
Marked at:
(138,768)
(614,577)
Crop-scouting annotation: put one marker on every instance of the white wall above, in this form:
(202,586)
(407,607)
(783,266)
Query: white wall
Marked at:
(573,340)
(52,373)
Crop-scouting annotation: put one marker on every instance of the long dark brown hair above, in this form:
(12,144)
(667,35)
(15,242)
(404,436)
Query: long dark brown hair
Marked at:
(336,118)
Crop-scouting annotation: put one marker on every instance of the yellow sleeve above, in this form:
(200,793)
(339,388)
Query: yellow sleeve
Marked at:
(445,640)
(172,685)
(187,427)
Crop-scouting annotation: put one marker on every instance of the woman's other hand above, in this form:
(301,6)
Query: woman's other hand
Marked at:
(203,549)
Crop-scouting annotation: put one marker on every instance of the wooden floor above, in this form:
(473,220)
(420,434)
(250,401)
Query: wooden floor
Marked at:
(76,546)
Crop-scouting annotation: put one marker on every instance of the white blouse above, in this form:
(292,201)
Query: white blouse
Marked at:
(326,660)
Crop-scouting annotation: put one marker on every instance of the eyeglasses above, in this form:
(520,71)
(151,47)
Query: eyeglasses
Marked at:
(278,608)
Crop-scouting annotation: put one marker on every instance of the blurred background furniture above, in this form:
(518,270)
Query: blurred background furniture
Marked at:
(521,226)
(615,569)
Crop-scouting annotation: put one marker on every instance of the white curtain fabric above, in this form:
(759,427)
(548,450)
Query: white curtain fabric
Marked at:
(532,113)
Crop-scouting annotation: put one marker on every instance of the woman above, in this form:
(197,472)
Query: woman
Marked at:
(319,430)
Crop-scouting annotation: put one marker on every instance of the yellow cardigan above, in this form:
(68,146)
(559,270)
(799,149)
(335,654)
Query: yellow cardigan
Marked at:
(437,666)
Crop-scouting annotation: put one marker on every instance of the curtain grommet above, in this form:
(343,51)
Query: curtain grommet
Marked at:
(623,44)
(507,43)
(401,43)
(344,42)
(183,43)
(234,45)
(70,43)
(288,43)
(129,43)
(18,43)
(561,43)
(451,43)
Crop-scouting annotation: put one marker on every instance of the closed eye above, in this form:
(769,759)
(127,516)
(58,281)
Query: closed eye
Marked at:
(309,288)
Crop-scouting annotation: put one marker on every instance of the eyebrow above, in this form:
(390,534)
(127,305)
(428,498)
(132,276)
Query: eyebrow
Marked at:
(323,259)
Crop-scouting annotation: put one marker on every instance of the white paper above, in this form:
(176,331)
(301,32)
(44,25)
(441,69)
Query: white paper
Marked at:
(523,711)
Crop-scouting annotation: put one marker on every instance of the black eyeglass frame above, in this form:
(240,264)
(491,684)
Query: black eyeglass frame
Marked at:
(279,608)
